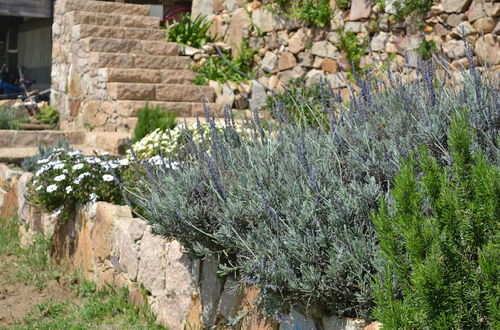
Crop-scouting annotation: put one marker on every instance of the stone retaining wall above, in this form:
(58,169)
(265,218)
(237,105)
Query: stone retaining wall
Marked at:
(288,48)
(108,245)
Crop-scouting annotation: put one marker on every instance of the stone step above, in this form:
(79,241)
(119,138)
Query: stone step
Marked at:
(160,92)
(105,7)
(107,141)
(130,108)
(86,30)
(178,77)
(125,60)
(17,155)
(21,138)
(111,20)
(129,46)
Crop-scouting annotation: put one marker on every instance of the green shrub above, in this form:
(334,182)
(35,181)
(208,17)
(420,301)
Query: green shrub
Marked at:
(150,119)
(218,69)
(343,4)
(190,32)
(7,120)
(290,209)
(48,115)
(315,12)
(66,178)
(354,49)
(407,7)
(426,49)
(440,241)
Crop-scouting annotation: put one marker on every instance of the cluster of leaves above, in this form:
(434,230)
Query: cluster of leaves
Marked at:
(150,119)
(353,47)
(227,69)
(66,177)
(407,7)
(440,241)
(426,49)
(190,32)
(343,4)
(313,12)
(48,115)
(290,209)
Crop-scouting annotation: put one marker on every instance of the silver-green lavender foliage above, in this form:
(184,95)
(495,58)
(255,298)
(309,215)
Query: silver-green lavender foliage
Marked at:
(290,209)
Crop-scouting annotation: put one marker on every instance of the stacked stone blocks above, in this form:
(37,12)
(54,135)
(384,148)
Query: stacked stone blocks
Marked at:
(109,60)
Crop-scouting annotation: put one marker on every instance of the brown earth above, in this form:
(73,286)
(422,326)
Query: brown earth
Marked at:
(17,299)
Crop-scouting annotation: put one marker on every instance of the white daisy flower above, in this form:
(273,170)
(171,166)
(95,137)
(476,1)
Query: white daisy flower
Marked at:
(57,212)
(75,153)
(69,189)
(60,178)
(43,161)
(123,162)
(51,188)
(107,177)
(59,166)
(77,167)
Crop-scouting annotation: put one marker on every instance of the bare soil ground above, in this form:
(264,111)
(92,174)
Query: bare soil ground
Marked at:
(17,298)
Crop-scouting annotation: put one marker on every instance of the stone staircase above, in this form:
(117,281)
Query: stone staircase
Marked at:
(16,145)
(110,59)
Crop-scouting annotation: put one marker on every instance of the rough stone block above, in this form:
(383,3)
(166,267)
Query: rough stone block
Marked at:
(132,75)
(131,91)
(184,93)
(160,48)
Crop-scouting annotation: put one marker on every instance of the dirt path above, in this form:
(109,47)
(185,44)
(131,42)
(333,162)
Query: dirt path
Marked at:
(17,299)
(35,293)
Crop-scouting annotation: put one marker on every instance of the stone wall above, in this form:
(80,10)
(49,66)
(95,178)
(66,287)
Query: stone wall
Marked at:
(108,245)
(288,49)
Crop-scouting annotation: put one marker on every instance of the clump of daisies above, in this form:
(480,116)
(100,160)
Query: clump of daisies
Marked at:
(65,177)
(173,143)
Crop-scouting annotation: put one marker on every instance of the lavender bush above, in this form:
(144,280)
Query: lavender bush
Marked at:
(289,210)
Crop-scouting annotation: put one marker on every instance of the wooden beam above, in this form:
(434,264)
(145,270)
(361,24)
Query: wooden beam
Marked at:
(26,8)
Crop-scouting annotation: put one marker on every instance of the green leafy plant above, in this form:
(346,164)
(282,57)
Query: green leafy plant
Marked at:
(150,119)
(315,12)
(440,240)
(407,7)
(190,32)
(426,49)
(353,48)
(218,69)
(7,120)
(48,115)
(343,4)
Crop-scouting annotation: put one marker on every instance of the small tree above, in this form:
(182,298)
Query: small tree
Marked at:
(440,241)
